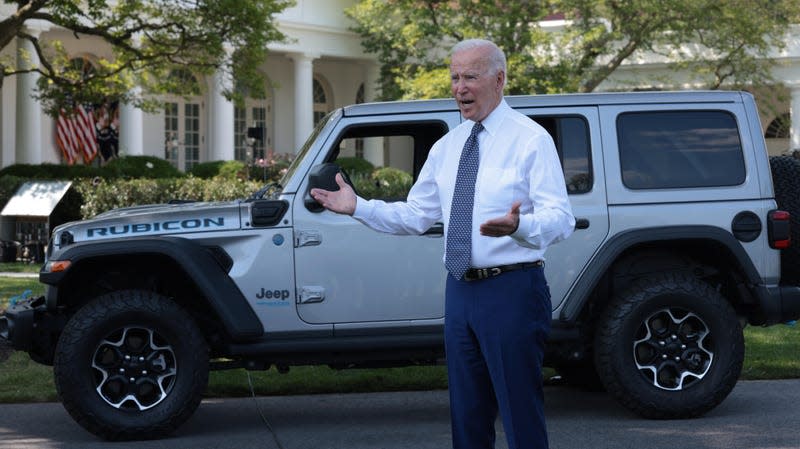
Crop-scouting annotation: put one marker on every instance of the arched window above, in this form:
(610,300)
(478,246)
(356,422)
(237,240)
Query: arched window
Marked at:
(252,128)
(183,140)
(82,65)
(779,128)
(322,99)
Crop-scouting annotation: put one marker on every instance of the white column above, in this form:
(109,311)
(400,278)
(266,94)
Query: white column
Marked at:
(222,117)
(131,128)
(303,96)
(28,146)
(373,147)
(372,74)
(794,112)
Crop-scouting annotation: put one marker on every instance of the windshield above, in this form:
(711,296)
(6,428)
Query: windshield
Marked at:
(307,146)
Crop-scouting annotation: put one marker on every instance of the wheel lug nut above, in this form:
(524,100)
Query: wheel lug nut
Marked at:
(133,380)
(122,370)
(674,337)
(662,342)
(144,372)
(141,359)
(677,359)
(664,356)
(127,357)
(683,346)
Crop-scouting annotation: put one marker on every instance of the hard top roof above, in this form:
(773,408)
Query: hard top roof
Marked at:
(556,100)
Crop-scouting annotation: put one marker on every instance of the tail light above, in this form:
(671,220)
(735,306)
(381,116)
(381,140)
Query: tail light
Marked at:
(779,228)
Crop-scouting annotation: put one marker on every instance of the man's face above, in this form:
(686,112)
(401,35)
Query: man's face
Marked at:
(475,86)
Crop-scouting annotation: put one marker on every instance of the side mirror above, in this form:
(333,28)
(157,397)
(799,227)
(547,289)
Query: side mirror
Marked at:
(323,176)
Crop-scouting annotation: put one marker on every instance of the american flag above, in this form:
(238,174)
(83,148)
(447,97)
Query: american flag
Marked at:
(87,132)
(65,138)
(76,135)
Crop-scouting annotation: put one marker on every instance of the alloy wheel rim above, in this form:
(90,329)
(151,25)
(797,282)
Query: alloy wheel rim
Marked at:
(134,368)
(671,349)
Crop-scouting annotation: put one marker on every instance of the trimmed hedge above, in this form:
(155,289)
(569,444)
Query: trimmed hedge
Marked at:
(125,167)
(54,171)
(225,169)
(149,167)
(385,183)
(135,180)
(355,166)
(104,196)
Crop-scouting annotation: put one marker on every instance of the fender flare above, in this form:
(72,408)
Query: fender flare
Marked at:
(197,262)
(614,247)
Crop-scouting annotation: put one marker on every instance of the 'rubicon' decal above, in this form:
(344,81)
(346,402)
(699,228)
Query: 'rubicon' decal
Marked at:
(168,225)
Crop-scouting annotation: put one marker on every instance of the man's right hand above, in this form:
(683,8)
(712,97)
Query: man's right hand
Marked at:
(342,201)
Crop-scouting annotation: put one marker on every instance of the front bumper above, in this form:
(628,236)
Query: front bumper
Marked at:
(29,327)
(17,324)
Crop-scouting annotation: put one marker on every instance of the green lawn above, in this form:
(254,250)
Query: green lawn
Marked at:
(771,353)
(16,267)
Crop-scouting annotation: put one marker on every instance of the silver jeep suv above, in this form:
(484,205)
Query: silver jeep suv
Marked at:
(683,237)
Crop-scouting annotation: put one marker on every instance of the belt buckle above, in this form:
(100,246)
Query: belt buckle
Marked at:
(485,273)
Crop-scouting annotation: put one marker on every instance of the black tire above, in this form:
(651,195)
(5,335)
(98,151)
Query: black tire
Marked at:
(786,180)
(657,319)
(131,365)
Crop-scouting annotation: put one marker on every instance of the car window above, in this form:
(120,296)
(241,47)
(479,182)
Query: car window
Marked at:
(571,136)
(384,160)
(679,149)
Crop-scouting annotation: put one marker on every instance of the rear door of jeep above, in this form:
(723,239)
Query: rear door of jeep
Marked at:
(576,132)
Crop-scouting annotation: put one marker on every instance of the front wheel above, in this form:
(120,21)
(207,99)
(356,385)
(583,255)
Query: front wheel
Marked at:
(131,365)
(669,347)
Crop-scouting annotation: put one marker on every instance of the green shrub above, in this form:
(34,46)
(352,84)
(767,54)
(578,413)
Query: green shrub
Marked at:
(355,166)
(8,186)
(149,167)
(53,171)
(223,169)
(385,183)
(232,170)
(206,170)
(107,195)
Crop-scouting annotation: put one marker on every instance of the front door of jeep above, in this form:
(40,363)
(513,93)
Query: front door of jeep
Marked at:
(356,278)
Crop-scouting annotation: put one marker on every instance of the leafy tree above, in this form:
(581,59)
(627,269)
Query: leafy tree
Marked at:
(148,40)
(572,45)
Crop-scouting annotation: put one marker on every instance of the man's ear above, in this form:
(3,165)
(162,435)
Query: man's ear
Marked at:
(501,80)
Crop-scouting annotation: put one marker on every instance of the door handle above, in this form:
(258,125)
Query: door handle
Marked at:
(581,223)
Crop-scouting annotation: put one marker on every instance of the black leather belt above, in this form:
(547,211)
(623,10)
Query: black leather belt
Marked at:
(474,274)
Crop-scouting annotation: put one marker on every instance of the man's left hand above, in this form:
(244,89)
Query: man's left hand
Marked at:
(505,225)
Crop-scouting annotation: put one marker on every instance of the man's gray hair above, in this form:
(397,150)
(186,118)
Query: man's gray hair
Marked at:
(497,59)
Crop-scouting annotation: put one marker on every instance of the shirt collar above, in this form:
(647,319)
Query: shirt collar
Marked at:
(492,121)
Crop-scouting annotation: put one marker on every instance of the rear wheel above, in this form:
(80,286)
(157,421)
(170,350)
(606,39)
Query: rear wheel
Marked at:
(669,347)
(131,365)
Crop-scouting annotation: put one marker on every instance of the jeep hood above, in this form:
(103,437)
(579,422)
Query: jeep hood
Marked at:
(157,219)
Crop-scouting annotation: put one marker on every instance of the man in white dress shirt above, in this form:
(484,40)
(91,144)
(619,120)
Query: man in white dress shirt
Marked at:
(500,220)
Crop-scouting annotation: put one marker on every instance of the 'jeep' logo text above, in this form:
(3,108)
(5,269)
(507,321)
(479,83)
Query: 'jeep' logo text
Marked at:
(273,294)
(170,225)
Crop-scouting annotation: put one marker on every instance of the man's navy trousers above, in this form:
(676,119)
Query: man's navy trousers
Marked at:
(495,332)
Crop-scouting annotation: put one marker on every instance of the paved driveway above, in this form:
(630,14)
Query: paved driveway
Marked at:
(758,414)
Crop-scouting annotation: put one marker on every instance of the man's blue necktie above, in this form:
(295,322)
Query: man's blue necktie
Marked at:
(459,230)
